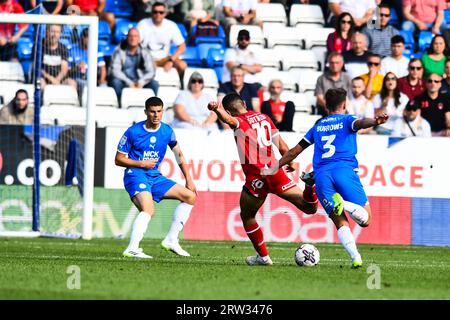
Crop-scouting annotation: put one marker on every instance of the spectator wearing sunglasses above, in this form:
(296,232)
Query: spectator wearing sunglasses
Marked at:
(390,101)
(158,34)
(190,107)
(340,40)
(412,85)
(411,124)
(244,57)
(373,79)
(434,107)
(379,37)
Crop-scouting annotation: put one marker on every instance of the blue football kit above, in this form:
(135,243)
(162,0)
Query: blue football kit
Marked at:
(141,143)
(334,161)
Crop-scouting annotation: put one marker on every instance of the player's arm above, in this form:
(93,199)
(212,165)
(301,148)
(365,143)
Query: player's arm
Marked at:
(283,148)
(293,153)
(365,123)
(223,115)
(183,167)
(122,160)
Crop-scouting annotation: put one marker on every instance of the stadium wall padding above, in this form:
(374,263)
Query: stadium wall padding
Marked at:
(406,181)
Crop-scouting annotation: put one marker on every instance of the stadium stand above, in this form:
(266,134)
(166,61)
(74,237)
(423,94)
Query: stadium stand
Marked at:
(132,97)
(60,95)
(304,14)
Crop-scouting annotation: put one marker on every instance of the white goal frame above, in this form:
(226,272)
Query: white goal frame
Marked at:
(89,145)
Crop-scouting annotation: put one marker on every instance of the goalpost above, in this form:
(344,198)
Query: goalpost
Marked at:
(17,209)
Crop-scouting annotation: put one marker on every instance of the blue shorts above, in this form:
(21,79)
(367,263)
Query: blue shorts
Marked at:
(344,181)
(138,181)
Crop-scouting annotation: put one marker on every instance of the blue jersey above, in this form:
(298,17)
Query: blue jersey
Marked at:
(140,143)
(334,142)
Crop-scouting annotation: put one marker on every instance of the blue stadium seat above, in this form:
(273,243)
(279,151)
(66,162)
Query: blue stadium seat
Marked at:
(409,39)
(122,28)
(425,38)
(220,38)
(120,8)
(106,48)
(183,31)
(29,33)
(215,57)
(190,56)
(104,33)
(203,49)
(25,48)
(394,21)
(447,17)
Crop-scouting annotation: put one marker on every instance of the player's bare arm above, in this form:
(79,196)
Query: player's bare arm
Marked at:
(223,115)
(283,148)
(183,167)
(370,122)
(122,160)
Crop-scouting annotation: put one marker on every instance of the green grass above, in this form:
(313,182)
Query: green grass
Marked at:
(37,269)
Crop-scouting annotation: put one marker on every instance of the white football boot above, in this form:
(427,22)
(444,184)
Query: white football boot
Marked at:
(139,253)
(175,248)
(258,261)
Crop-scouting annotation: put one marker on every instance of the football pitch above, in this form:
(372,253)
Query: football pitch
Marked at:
(45,268)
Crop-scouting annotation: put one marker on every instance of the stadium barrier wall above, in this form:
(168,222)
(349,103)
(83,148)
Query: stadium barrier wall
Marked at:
(405,180)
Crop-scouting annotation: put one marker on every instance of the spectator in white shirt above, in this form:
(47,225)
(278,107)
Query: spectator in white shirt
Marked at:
(412,124)
(358,104)
(390,101)
(157,34)
(396,63)
(242,56)
(190,107)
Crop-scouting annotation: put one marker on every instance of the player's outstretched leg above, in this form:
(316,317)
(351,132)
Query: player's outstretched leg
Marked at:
(249,207)
(144,203)
(180,217)
(347,239)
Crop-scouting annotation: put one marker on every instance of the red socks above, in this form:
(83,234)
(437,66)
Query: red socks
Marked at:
(309,194)
(255,234)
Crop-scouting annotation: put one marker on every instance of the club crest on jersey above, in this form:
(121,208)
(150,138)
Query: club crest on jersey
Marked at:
(152,139)
(123,140)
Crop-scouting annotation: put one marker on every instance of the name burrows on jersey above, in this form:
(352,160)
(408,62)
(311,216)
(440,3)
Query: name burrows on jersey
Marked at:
(140,143)
(334,141)
(253,137)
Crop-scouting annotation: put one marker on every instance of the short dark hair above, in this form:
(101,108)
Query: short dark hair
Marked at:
(376,55)
(397,39)
(385,5)
(154,102)
(21,91)
(159,4)
(334,98)
(232,102)
(357,79)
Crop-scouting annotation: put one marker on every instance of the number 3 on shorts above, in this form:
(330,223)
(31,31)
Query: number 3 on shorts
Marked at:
(328,145)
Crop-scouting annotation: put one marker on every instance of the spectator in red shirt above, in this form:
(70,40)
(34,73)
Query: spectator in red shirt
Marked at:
(281,112)
(340,40)
(93,8)
(424,15)
(412,85)
(8,40)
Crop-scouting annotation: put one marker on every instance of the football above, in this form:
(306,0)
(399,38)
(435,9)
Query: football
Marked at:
(307,255)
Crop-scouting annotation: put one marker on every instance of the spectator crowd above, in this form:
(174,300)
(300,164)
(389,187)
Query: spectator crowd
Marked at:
(382,63)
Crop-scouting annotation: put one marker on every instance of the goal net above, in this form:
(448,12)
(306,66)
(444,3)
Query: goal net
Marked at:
(47,130)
